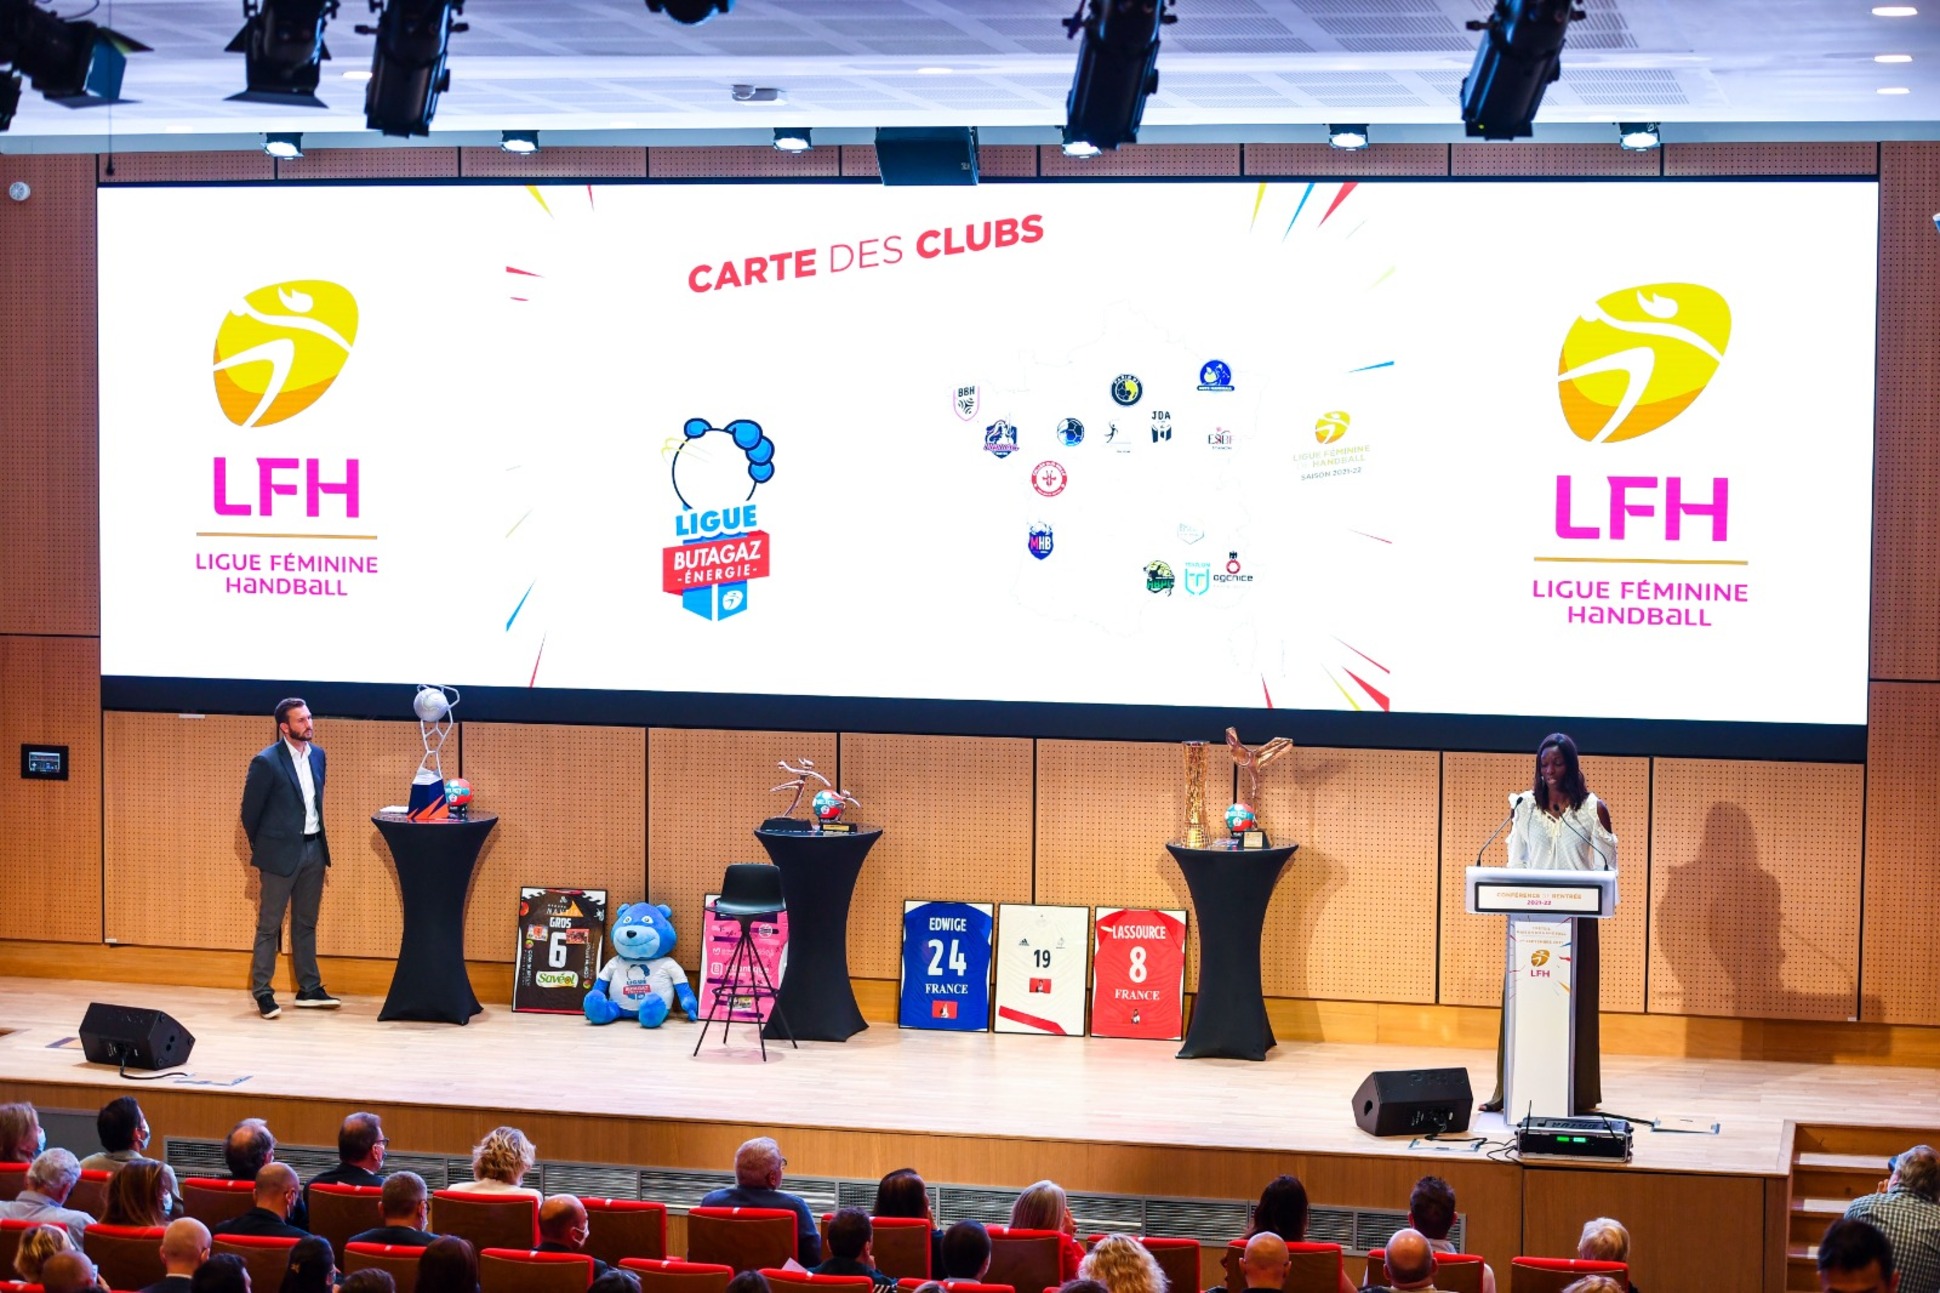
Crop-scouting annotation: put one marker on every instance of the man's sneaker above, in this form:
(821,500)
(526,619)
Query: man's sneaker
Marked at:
(316,999)
(266,1005)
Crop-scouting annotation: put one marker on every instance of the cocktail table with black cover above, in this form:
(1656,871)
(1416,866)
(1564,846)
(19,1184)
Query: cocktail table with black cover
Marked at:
(818,875)
(1231,888)
(434,871)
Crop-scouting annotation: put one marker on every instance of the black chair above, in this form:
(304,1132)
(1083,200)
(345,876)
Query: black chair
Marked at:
(750,891)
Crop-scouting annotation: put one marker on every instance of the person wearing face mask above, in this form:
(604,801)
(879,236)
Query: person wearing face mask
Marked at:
(50,1179)
(21,1137)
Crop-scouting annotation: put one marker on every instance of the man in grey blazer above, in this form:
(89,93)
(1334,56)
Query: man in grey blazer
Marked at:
(282,813)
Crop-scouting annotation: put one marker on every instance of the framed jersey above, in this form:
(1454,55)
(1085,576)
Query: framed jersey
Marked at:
(718,937)
(1041,954)
(562,935)
(946,966)
(1138,974)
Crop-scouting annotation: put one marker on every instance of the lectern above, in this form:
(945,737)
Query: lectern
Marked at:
(1539,1028)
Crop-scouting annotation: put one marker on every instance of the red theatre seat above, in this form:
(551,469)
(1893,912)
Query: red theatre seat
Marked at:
(1454,1272)
(1554,1274)
(748,1239)
(13,1179)
(957,1286)
(401,1260)
(11,1232)
(779,1277)
(901,1245)
(1311,1268)
(486,1220)
(1178,1258)
(618,1228)
(90,1195)
(212,1200)
(128,1257)
(339,1211)
(521,1270)
(663,1275)
(1026,1259)
(267,1256)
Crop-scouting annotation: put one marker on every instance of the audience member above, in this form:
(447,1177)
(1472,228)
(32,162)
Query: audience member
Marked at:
(124,1134)
(966,1251)
(223,1273)
(139,1195)
(313,1267)
(1042,1206)
(406,1205)
(1856,1257)
(499,1164)
(615,1281)
(1411,1261)
(277,1193)
(360,1155)
(938,1286)
(1594,1284)
(449,1265)
(1431,1210)
(749,1282)
(1907,1211)
(563,1228)
(1082,1286)
(36,1246)
(1123,1265)
(851,1248)
(249,1147)
(902,1193)
(70,1272)
(758,1168)
(1264,1263)
(1604,1239)
(50,1179)
(1282,1210)
(369,1280)
(185,1246)
(21,1138)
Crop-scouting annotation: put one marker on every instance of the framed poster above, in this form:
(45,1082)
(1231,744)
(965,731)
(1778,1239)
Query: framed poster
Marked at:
(562,940)
(718,937)
(1138,974)
(946,966)
(1041,954)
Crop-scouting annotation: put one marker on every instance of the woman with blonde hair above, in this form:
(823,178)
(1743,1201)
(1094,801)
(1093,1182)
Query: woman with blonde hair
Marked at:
(1594,1284)
(1043,1207)
(1123,1265)
(36,1246)
(138,1195)
(500,1162)
(1604,1239)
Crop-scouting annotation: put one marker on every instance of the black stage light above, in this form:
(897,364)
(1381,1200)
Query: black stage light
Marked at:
(407,65)
(9,98)
(1118,55)
(690,11)
(283,51)
(1520,55)
(73,63)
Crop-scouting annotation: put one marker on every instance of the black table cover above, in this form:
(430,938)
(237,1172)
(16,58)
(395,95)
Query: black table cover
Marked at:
(1230,890)
(818,875)
(434,870)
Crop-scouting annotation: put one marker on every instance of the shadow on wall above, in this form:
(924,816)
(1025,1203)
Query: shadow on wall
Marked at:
(1722,927)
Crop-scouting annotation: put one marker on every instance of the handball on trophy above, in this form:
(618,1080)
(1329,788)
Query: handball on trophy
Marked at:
(1240,817)
(458,796)
(430,704)
(433,707)
(828,806)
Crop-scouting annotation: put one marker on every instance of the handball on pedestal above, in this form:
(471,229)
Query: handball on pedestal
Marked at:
(828,806)
(458,796)
(1241,817)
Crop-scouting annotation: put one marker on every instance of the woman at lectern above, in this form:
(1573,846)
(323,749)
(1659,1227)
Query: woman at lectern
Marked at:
(1558,825)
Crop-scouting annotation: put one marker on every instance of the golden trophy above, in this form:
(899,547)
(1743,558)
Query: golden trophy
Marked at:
(1195,794)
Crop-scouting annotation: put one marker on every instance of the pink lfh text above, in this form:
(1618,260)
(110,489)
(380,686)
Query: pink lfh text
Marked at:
(286,477)
(1635,499)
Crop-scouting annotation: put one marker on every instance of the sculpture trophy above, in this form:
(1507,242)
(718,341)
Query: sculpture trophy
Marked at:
(1195,794)
(433,708)
(1250,759)
(825,808)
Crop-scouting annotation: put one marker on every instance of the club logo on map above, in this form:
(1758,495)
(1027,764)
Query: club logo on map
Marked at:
(1331,427)
(1000,438)
(1198,577)
(1158,578)
(1215,376)
(966,402)
(1041,540)
(1126,389)
(1070,432)
(280,348)
(715,473)
(1639,357)
(1161,426)
(1049,479)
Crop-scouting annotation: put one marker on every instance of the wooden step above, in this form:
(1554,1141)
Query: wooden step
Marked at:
(1826,1208)
(1873,1163)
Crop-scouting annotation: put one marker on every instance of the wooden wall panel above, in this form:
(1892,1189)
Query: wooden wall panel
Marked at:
(1754,888)
(49,509)
(1005,161)
(402,162)
(1553,159)
(1906,470)
(955,813)
(753,162)
(706,792)
(1300,160)
(1900,971)
(50,831)
(570,814)
(1665,1214)
(1365,822)
(1105,810)
(177,870)
(554,163)
(1475,790)
(1210,160)
(210,167)
(1822,157)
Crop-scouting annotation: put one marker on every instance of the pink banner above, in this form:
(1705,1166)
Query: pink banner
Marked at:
(718,938)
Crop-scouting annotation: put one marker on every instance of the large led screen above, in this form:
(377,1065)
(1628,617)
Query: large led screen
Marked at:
(1591,449)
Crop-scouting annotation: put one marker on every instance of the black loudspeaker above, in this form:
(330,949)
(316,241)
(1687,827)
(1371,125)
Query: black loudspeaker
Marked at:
(1414,1102)
(927,154)
(134,1037)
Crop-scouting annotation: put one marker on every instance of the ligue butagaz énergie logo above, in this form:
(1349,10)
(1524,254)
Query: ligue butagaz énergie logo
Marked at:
(715,472)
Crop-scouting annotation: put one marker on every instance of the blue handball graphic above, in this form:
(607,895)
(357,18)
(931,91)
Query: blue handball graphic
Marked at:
(707,471)
(1214,375)
(1070,432)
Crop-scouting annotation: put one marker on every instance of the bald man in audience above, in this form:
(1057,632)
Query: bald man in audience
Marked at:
(406,1207)
(278,1191)
(1264,1264)
(185,1246)
(69,1272)
(1411,1262)
(563,1229)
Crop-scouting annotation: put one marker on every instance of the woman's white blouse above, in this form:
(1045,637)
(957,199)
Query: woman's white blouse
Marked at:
(1574,841)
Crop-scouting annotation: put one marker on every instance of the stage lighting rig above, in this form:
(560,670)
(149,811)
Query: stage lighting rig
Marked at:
(689,12)
(1118,54)
(407,66)
(1520,55)
(73,63)
(283,51)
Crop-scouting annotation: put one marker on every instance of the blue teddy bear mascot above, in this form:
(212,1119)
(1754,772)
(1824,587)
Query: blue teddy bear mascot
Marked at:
(641,980)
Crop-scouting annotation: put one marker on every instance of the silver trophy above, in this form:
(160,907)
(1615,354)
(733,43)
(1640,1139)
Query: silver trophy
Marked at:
(433,707)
